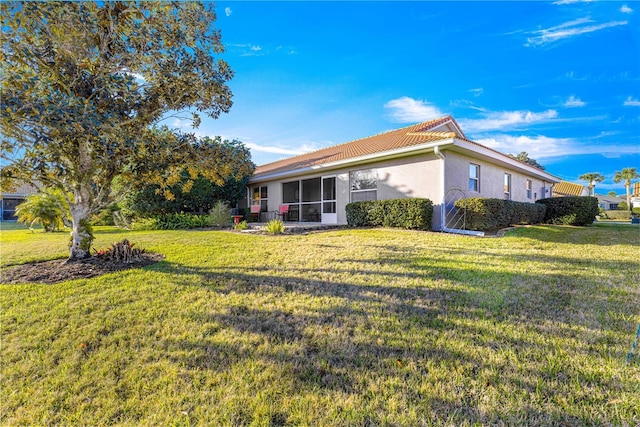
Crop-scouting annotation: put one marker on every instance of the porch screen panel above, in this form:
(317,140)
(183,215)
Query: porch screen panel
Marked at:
(290,192)
(311,190)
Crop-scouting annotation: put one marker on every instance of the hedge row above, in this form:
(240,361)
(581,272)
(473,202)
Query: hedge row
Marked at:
(574,210)
(615,214)
(494,214)
(407,213)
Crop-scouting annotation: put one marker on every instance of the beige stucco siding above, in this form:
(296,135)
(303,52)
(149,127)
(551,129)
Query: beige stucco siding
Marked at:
(414,176)
(492,179)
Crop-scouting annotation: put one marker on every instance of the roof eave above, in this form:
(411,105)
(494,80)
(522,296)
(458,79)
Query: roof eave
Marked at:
(500,158)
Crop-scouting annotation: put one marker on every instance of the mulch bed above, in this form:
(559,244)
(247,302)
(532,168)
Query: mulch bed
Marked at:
(60,270)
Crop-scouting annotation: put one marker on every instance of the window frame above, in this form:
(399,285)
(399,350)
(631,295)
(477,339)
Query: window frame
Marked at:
(262,199)
(529,188)
(507,186)
(475,180)
(352,180)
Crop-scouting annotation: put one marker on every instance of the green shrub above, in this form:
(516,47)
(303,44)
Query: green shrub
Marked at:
(410,213)
(121,220)
(573,210)
(144,224)
(220,214)
(275,226)
(635,212)
(493,214)
(358,213)
(622,206)
(242,225)
(174,221)
(617,214)
(105,216)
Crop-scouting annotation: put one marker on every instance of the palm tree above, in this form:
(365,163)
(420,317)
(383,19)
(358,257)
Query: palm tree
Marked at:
(626,175)
(592,178)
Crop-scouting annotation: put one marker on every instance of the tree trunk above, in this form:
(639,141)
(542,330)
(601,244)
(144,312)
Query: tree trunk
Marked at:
(81,236)
(627,186)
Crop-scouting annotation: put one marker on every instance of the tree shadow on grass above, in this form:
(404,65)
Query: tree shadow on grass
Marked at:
(328,348)
(601,235)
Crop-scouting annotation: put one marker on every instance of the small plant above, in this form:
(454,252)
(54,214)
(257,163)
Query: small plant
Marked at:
(220,214)
(241,226)
(275,226)
(122,251)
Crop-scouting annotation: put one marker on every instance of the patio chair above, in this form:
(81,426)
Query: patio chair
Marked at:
(255,212)
(282,212)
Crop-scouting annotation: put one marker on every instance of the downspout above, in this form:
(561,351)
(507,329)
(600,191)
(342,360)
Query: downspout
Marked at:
(443,222)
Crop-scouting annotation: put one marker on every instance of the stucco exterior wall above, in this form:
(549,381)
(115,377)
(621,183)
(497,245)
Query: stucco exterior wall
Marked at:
(414,176)
(422,175)
(492,179)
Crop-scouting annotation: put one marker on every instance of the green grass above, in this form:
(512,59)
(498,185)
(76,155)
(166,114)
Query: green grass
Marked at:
(347,328)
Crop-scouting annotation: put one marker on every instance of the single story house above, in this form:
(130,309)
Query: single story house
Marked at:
(609,203)
(564,189)
(9,201)
(433,160)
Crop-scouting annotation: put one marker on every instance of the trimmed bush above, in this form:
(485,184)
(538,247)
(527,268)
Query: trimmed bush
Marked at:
(493,214)
(616,214)
(573,210)
(400,213)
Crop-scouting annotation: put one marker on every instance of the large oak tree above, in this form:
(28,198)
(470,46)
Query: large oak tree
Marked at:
(85,86)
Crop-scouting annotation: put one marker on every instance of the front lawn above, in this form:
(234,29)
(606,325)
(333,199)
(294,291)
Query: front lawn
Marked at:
(347,328)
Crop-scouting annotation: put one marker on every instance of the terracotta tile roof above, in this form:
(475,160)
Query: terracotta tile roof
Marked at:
(564,188)
(636,190)
(392,140)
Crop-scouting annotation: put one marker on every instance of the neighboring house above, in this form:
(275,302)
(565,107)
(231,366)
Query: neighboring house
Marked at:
(609,203)
(563,189)
(9,201)
(423,160)
(635,195)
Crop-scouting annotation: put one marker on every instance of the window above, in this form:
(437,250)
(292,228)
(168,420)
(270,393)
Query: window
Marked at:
(259,197)
(474,177)
(529,186)
(507,186)
(364,185)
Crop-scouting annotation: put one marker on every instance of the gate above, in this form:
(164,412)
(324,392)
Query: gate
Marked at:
(454,218)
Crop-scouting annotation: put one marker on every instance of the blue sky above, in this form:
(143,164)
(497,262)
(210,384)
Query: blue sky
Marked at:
(559,80)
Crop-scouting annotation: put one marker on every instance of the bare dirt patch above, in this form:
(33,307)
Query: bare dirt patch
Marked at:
(60,270)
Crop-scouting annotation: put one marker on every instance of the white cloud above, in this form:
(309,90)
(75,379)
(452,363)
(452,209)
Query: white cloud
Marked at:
(228,11)
(502,120)
(477,91)
(186,125)
(568,29)
(626,9)
(574,102)
(631,102)
(247,49)
(544,147)
(409,110)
